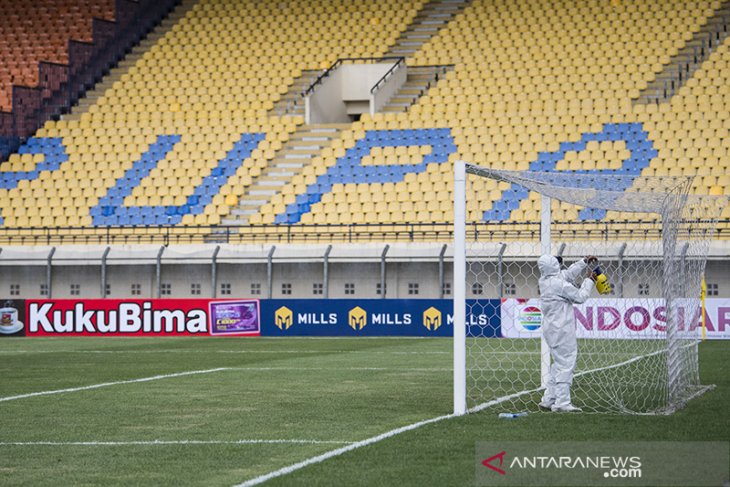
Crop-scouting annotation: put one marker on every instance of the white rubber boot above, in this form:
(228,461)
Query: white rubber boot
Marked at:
(566,408)
(562,399)
(546,403)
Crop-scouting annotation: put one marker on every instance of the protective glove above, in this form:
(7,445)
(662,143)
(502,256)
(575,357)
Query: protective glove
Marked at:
(601,280)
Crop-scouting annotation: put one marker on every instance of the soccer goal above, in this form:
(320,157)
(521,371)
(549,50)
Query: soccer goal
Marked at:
(637,342)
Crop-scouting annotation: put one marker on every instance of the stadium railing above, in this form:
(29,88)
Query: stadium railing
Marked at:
(335,233)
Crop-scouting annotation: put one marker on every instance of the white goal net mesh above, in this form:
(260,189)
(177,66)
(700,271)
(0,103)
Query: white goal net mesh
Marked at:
(637,343)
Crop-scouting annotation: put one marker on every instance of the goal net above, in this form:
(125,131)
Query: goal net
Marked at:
(637,342)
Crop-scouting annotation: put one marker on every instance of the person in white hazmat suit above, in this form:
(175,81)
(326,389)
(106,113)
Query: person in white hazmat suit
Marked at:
(558,294)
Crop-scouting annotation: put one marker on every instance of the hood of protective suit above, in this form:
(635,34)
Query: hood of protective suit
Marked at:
(548,265)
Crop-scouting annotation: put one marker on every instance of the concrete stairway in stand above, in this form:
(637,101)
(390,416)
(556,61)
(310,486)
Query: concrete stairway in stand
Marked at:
(297,153)
(418,81)
(292,103)
(688,59)
(434,15)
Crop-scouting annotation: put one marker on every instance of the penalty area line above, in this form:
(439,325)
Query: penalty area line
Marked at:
(219,369)
(183,351)
(109,384)
(176,442)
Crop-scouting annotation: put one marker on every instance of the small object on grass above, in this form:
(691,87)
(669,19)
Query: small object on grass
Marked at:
(512,415)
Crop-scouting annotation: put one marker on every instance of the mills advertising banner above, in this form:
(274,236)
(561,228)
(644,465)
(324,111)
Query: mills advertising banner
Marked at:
(374,317)
(243,317)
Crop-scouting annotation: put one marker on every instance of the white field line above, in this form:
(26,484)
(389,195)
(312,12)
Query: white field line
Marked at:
(577,374)
(339,451)
(277,352)
(632,360)
(174,442)
(221,369)
(109,384)
(389,434)
(10,352)
(502,399)
(311,369)
(346,369)
(369,441)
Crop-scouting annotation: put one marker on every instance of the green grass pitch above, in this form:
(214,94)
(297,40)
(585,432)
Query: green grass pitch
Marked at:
(258,405)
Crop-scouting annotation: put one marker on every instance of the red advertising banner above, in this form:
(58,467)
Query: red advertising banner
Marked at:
(141,317)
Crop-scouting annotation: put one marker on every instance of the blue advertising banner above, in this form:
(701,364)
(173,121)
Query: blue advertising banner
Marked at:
(375,317)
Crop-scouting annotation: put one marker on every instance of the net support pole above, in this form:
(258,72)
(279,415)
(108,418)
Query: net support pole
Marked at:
(459,288)
(545,248)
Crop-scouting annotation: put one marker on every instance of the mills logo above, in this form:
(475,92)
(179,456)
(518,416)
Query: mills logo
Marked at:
(432,319)
(357,318)
(530,318)
(283,318)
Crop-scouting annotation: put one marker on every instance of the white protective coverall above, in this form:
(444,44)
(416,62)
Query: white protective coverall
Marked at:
(558,294)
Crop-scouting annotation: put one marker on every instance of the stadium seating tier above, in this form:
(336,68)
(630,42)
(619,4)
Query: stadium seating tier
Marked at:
(39,30)
(540,85)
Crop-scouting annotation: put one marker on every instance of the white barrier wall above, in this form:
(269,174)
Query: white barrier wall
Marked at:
(243,269)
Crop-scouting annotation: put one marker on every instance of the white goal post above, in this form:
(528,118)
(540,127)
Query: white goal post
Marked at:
(637,344)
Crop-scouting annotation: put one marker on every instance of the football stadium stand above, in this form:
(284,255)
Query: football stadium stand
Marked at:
(203,124)
(40,32)
(52,51)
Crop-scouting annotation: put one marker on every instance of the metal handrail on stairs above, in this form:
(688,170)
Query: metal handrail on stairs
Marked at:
(401,61)
(438,71)
(337,64)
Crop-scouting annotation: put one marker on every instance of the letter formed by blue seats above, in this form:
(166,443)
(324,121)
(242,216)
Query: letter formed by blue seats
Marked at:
(637,142)
(349,168)
(55,155)
(112,211)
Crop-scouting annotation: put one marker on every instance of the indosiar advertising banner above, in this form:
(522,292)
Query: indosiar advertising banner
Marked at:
(140,317)
(375,317)
(622,318)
